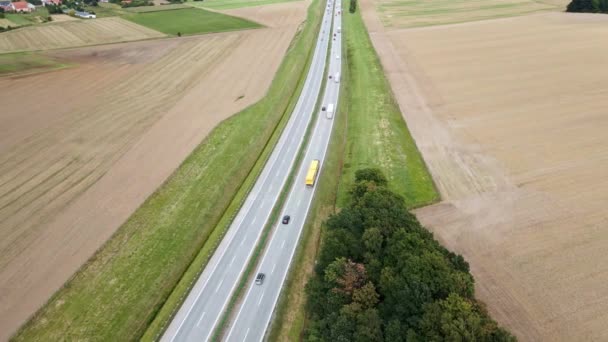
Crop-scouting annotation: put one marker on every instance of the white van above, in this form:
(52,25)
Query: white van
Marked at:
(337,78)
(330,111)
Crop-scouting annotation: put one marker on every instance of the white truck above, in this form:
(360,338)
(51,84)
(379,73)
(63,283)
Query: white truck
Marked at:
(337,78)
(329,113)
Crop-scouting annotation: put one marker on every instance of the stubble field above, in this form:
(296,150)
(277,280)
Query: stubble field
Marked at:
(74,33)
(95,140)
(510,117)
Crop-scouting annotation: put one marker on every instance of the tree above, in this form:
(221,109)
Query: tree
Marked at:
(580,6)
(371,175)
(457,319)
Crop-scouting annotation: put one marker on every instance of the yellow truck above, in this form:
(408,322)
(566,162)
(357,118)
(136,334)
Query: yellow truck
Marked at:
(313,170)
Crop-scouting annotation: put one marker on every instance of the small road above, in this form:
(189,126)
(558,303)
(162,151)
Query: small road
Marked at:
(256,309)
(200,313)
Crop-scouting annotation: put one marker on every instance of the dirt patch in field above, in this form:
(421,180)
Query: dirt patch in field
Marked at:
(74,33)
(510,116)
(85,146)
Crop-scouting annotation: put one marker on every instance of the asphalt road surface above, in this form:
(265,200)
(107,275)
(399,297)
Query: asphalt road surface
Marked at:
(256,309)
(200,313)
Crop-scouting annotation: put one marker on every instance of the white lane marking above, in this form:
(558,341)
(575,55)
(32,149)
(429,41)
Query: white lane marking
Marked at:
(254,218)
(247,333)
(262,296)
(200,319)
(231,261)
(275,265)
(299,201)
(220,285)
(242,242)
(283,244)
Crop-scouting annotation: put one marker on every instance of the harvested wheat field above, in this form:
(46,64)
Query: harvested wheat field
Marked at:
(68,33)
(93,141)
(510,116)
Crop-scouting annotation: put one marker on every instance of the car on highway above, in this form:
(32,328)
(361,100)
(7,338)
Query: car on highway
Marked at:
(260,278)
(323,108)
(286,219)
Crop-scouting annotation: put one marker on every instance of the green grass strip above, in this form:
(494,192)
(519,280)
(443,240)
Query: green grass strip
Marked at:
(117,294)
(190,21)
(377,134)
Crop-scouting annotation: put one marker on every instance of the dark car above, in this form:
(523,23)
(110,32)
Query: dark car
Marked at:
(260,278)
(323,108)
(286,219)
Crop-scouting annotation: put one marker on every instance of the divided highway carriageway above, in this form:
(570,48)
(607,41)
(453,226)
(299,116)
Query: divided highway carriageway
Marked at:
(200,314)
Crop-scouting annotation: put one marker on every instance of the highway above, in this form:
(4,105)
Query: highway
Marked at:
(202,309)
(256,309)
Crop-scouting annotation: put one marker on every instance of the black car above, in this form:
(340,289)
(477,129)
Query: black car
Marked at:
(260,278)
(286,219)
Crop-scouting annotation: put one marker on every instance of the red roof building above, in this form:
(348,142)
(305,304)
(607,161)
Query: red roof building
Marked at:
(21,6)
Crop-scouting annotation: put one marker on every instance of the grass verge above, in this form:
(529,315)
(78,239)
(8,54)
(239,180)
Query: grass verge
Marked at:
(364,87)
(20,62)
(190,21)
(377,134)
(120,291)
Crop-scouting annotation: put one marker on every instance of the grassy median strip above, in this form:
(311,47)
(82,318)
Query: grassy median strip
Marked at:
(190,21)
(117,294)
(363,88)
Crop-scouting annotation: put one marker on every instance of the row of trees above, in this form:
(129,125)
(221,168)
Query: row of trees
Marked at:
(381,276)
(593,6)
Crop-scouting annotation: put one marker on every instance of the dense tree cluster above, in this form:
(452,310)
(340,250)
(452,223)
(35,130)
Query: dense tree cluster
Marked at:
(381,276)
(593,6)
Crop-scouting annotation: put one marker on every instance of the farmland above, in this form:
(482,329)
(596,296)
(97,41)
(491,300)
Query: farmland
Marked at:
(74,168)
(518,153)
(413,13)
(232,4)
(11,63)
(189,21)
(74,33)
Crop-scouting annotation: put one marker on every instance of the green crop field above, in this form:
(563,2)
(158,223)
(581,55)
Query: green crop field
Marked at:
(11,63)
(231,4)
(119,292)
(142,9)
(18,19)
(190,21)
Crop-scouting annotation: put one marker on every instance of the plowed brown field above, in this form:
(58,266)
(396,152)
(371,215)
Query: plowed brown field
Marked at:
(510,116)
(68,33)
(82,148)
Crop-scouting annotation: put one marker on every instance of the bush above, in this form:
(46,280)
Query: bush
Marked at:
(353,6)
